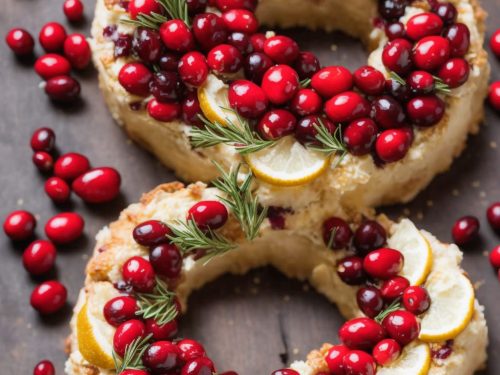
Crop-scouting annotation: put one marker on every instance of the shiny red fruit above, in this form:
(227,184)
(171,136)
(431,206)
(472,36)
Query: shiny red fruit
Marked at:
(256,65)
(19,225)
(285,371)
(306,65)
(361,333)
(454,72)
(43,161)
(248,99)
(421,82)
(369,80)
(431,52)
(135,78)
(193,69)
(43,139)
(360,135)
(191,110)
(370,301)
(39,257)
(161,332)
(64,228)
(73,10)
(190,349)
(139,273)
(77,50)
(44,367)
(396,56)
(495,43)
(370,235)
(126,334)
(495,257)
(392,145)
(494,95)
(336,233)
(347,107)
(225,5)
(20,42)
(425,110)
(136,7)
(166,260)
(306,102)
(52,65)
(119,310)
(395,30)
(151,233)
(306,129)
(416,300)
(276,124)
(49,297)
(393,288)
(350,270)
(459,37)
(386,351)
(493,215)
(208,214)
(447,11)
(280,83)
(402,326)
(57,189)
(198,366)
(423,24)
(164,112)
(331,81)
(209,30)
(241,20)
(334,359)
(98,185)
(357,362)
(388,112)
(383,263)
(71,165)
(52,37)
(465,230)
(162,356)
(63,89)
(225,58)
(282,49)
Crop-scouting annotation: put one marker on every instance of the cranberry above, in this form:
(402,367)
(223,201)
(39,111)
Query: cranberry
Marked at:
(177,36)
(306,131)
(425,110)
(331,81)
(306,65)
(392,9)
(370,301)
(43,161)
(454,72)
(383,263)
(396,56)
(209,30)
(168,62)
(64,228)
(71,165)
(44,367)
(151,233)
(165,86)
(139,273)
(431,52)
(225,58)
(447,12)
(347,107)
(247,98)
(357,362)
(39,257)
(225,5)
(256,65)
(370,235)
(421,82)
(361,333)
(459,37)
(161,356)
(63,89)
(123,46)
(416,300)
(282,49)
(190,349)
(146,7)
(77,50)
(20,42)
(423,24)
(73,10)
(98,185)
(52,36)
(306,102)
(360,135)
(57,189)
(465,230)
(402,326)
(257,41)
(19,225)
(241,20)
(394,287)
(198,366)
(164,112)
(395,30)
(49,297)
(493,215)
(280,83)
(119,310)
(208,214)
(135,78)
(495,257)
(196,6)
(193,68)
(387,112)
(163,331)
(494,41)
(392,145)
(134,372)
(369,80)
(285,371)
(241,42)
(336,233)
(334,359)
(43,139)
(166,260)
(191,110)
(52,65)
(350,270)
(147,44)
(276,124)
(443,351)
(386,351)
(398,90)
(126,334)
(494,95)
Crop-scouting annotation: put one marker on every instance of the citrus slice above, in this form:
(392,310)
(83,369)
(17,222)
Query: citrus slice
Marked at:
(214,102)
(94,334)
(415,249)
(287,163)
(415,360)
(452,306)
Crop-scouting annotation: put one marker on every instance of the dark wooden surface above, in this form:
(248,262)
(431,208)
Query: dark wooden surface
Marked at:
(251,324)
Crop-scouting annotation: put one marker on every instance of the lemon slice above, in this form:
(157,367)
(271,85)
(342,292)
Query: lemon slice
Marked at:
(214,102)
(94,334)
(287,163)
(452,306)
(415,249)
(415,360)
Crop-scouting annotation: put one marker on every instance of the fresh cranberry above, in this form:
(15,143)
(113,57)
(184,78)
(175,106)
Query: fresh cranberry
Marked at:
(134,372)
(421,82)
(282,49)
(276,124)
(64,228)
(360,135)
(400,91)
(52,65)
(336,233)
(241,42)
(454,72)
(161,356)
(241,20)
(416,300)
(402,326)
(331,81)
(494,42)
(431,52)
(193,68)
(198,366)
(425,110)
(256,65)
(139,273)
(63,89)
(247,98)
(334,359)
(357,362)
(19,225)
(123,46)
(285,371)
(52,36)
(459,37)
(196,6)
(386,351)
(191,110)
(383,263)
(306,129)
(44,367)
(361,333)
(77,50)
(225,5)
(208,214)
(147,44)
(161,332)
(166,260)
(20,41)
(39,257)
(98,185)
(209,30)
(370,235)
(280,83)
(57,189)
(225,58)
(146,7)
(49,297)
(423,24)
(387,112)
(447,12)
(395,30)
(495,257)
(166,86)
(71,165)
(396,56)
(465,230)
(494,95)
(370,301)
(177,36)
(190,349)
(257,41)
(168,62)
(43,161)
(126,334)
(493,215)
(73,10)
(164,112)
(347,107)
(151,233)
(369,80)
(350,270)
(119,310)
(135,78)
(306,102)
(392,145)
(442,351)
(43,139)
(306,65)
(393,288)
(392,9)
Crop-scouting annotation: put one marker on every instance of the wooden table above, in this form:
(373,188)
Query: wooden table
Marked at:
(253,324)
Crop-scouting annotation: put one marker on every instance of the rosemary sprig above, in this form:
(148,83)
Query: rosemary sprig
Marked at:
(395,305)
(133,355)
(244,205)
(329,143)
(439,85)
(175,9)
(158,305)
(305,83)
(396,77)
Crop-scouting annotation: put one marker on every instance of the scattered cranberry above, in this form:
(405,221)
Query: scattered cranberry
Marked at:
(43,139)
(225,59)
(425,110)
(161,356)
(20,42)
(247,98)
(396,56)
(63,89)
(454,72)
(494,95)
(193,68)
(52,65)
(369,80)
(71,165)
(465,230)
(198,366)
(282,49)
(446,11)
(370,301)
(240,20)
(334,359)
(431,52)
(52,37)
(57,189)
(44,367)
(137,7)
(19,225)
(77,50)
(395,30)
(383,263)
(306,65)
(495,257)
(135,78)
(139,273)
(360,135)
(416,300)
(73,10)
(280,83)
(493,215)
(387,112)
(423,24)
(386,351)
(306,130)
(208,214)
(392,9)
(64,228)
(459,37)
(49,297)
(39,257)
(164,112)
(161,332)
(43,161)
(98,185)
(393,288)
(347,107)
(350,270)
(126,334)
(119,310)
(402,326)
(357,362)
(256,65)
(336,233)
(190,349)
(392,145)
(209,30)
(276,124)
(495,43)
(370,235)
(166,260)
(331,81)
(151,233)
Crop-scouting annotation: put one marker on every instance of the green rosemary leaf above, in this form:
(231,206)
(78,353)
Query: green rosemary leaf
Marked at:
(175,9)
(396,77)
(133,355)
(440,86)
(395,305)
(329,143)
(305,83)
(158,305)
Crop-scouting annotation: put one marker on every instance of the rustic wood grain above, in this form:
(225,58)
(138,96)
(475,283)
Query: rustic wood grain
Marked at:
(251,324)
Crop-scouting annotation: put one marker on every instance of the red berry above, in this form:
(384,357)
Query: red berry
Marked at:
(209,30)
(166,260)
(43,139)
(256,65)
(73,10)
(136,7)
(357,362)
(240,20)
(161,332)
(423,24)
(495,257)
(225,58)
(161,356)
(370,235)
(285,371)
(148,46)
(360,135)
(44,367)
(208,214)
(495,43)
(396,56)
(394,287)
(19,225)
(334,358)
(370,301)
(98,185)
(425,110)
(392,9)
(386,351)
(459,37)
(126,333)
(350,270)
(446,11)
(57,189)
(398,90)
(20,42)
(48,297)
(63,89)
(52,37)
(119,310)
(493,215)
(64,228)
(392,145)
(282,49)
(387,112)
(139,273)
(39,257)
(494,95)
(361,333)
(151,233)
(402,326)
(276,124)
(193,69)
(198,366)
(416,300)
(421,82)
(247,98)
(306,130)
(280,83)
(190,349)
(395,30)
(306,102)
(196,6)
(135,78)
(347,107)
(52,65)
(331,81)
(369,80)
(431,52)
(225,5)
(454,72)
(191,110)
(71,165)
(336,233)
(383,263)
(134,372)
(257,41)
(465,230)
(43,161)
(164,112)
(306,65)
(77,50)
